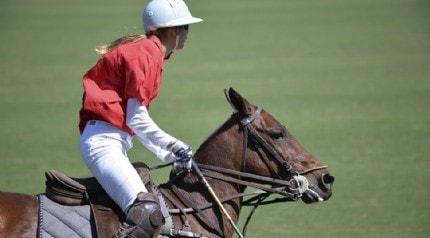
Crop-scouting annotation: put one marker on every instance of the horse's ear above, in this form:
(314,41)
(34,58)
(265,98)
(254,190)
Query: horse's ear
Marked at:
(238,102)
(227,96)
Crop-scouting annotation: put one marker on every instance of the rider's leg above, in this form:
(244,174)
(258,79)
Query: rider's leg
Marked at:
(104,150)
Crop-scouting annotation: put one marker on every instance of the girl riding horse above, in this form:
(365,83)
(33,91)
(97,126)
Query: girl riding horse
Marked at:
(118,91)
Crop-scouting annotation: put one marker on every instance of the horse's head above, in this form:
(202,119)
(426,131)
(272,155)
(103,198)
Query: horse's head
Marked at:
(270,150)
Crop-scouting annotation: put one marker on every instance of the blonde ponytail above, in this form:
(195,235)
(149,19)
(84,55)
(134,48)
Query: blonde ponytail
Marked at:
(103,49)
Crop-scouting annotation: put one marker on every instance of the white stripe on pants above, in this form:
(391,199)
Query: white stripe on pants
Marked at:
(104,150)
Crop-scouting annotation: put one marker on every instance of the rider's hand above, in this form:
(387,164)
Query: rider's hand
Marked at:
(183,156)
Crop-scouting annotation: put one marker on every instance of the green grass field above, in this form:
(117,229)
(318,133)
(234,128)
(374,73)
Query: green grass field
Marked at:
(350,79)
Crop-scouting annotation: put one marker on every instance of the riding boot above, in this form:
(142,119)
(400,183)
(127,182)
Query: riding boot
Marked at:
(144,218)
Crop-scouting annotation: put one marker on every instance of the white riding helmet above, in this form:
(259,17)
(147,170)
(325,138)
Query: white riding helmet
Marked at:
(167,13)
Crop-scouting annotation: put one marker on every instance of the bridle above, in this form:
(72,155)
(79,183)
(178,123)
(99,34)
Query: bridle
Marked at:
(290,187)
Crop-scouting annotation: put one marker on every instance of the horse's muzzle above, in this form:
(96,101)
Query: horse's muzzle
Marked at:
(320,190)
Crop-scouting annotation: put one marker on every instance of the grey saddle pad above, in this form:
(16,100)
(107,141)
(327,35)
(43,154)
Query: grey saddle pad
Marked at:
(58,221)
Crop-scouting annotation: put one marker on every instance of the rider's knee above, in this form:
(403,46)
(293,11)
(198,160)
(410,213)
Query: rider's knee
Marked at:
(145,214)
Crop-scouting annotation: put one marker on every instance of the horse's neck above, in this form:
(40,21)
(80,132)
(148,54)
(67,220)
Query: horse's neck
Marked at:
(189,191)
(220,149)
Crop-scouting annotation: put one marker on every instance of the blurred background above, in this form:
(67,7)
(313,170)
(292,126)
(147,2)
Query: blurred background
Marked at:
(349,78)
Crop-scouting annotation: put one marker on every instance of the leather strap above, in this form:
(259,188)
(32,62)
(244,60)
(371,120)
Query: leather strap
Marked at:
(199,214)
(263,179)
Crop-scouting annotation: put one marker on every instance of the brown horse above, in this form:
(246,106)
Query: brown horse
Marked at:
(250,149)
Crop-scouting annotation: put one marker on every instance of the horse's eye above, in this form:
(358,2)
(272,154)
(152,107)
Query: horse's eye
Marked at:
(276,134)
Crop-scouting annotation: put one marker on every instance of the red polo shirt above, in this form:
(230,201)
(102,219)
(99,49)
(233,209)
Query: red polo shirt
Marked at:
(132,70)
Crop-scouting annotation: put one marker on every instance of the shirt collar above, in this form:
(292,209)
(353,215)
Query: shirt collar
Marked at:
(154,38)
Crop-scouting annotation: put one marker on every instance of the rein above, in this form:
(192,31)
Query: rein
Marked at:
(220,174)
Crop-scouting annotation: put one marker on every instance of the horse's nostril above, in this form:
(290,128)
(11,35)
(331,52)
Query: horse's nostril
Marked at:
(327,179)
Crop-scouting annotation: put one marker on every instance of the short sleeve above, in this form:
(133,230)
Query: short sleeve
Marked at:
(137,77)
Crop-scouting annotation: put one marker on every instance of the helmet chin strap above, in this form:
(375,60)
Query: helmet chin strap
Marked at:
(176,39)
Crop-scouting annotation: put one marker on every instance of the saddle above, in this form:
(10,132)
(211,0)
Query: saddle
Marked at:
(71,191)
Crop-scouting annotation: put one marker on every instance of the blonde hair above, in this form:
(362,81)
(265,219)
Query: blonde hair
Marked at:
(103,49)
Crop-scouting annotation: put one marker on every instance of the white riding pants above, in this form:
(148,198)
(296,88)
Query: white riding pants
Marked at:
(104,150)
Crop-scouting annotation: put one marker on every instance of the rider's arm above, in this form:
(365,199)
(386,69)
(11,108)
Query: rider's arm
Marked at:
(152,137)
